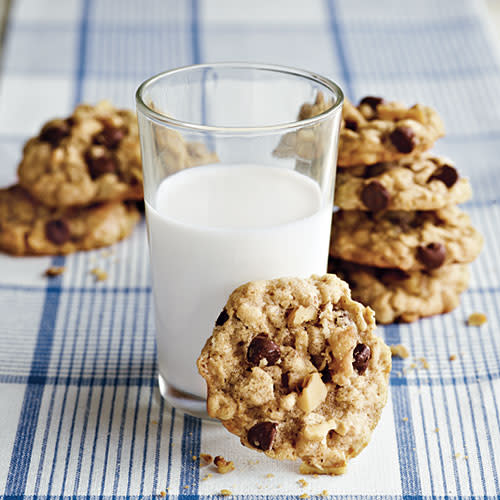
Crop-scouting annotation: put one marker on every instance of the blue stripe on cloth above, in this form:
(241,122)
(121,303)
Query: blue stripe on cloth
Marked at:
(191,445)
(82,50)
(170,441)
(338,45)
(28,419)
(405,434)
(195,32)
(152,381)
(146,437)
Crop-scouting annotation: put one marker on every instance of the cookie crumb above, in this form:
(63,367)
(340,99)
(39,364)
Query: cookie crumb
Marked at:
(208,476)
(405,419)
(225,493)
(154,422)
(53,271)
(303,483)
(206,458)
(223,466)
(476,319)
(163,493)
(425,363)
(304,495)
(436,429)
(452,357)
(99,274)
(457,455)
(324,493)
(269,475)
(194,457)
(186,487)
(400,350)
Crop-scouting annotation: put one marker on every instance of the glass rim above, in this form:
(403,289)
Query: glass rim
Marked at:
(158,117)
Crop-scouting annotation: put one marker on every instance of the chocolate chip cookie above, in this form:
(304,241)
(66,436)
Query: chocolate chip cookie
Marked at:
(399,296)
(30,228)
(379,131)
(294,369)
(411,241)
(92,156)
(176,154)
(423,182)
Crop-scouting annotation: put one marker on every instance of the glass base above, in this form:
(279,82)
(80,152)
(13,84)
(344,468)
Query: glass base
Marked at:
(187,403)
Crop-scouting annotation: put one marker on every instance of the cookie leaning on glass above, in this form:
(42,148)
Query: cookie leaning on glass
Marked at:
(294,369)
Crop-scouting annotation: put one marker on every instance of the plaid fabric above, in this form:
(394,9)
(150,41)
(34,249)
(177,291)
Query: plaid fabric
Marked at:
(80,413)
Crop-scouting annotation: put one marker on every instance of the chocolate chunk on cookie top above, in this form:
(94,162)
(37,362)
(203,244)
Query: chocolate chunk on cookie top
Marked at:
(294,369)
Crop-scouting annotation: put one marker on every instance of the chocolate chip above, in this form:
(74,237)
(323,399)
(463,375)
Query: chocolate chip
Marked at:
(317,360)
(141,206)
(262,347)
(100,165)
(109,137)
(57,231)
(261,435)
(446,174)
(222,318)
(375,196)
(388,276)
(403,139)
(55,132)
(361,355)
(372,101)
(326,375)
(374,170)
(285,380)
(432,255)
(351,124)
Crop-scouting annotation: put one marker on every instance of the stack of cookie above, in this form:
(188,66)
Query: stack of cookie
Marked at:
(79,180)
(399,238)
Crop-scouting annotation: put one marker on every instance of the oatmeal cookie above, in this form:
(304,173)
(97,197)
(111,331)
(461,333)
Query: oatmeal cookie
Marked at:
(92,156)
(399,296)
(30,228)
(411,241)
(175,154)
(379,131)
(424,182)
(294,369)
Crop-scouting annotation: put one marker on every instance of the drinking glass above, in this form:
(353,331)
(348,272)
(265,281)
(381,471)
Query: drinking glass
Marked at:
(239,168)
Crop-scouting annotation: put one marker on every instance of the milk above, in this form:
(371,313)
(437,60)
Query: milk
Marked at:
(213,228)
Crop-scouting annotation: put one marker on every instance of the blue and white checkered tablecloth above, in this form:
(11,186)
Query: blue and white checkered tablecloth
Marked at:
(80,413)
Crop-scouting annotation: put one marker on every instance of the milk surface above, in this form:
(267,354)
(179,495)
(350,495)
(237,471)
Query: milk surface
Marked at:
(213,228)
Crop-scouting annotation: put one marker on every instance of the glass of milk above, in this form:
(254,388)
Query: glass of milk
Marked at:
(237,188)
